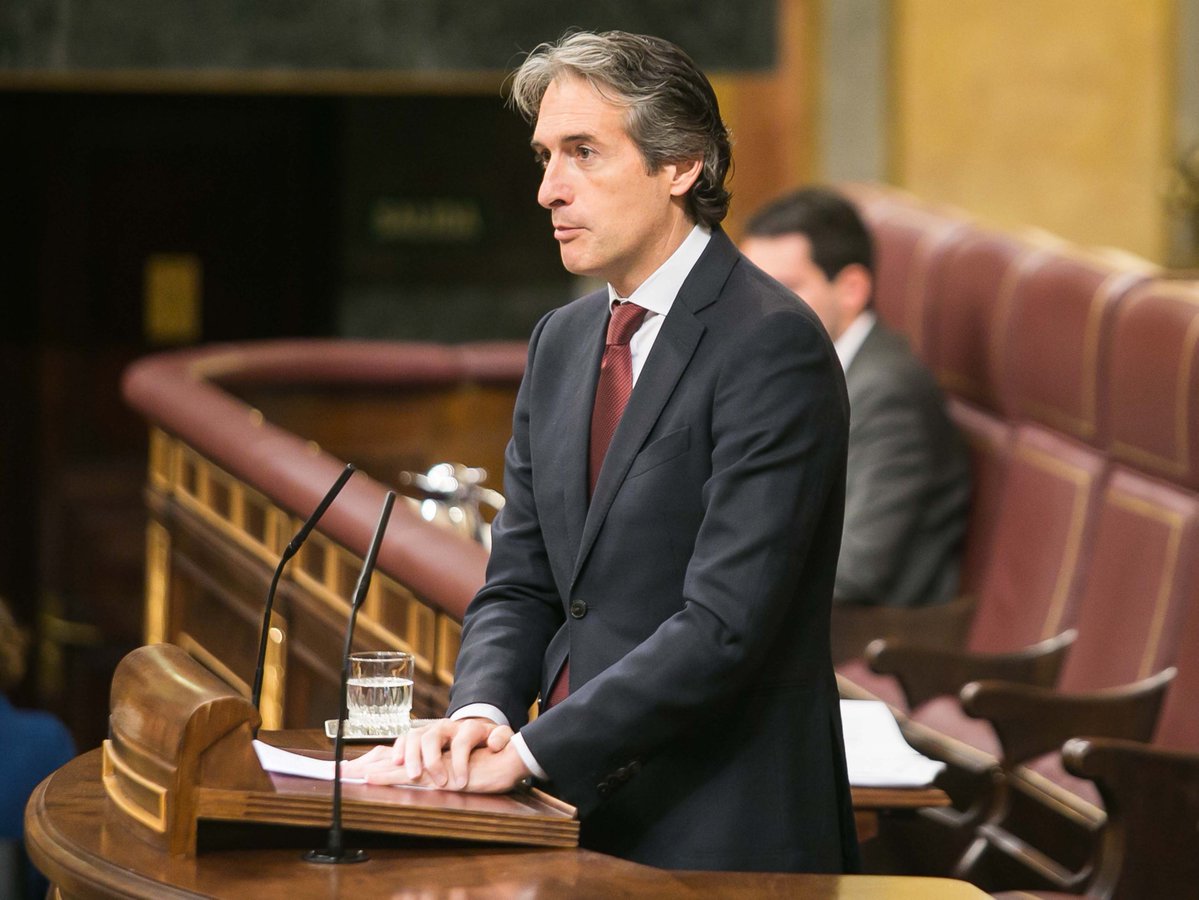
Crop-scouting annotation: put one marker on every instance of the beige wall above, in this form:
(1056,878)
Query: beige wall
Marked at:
(1054,113)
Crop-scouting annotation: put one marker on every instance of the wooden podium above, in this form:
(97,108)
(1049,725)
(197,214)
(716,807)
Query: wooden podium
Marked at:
(180,757)
(180,753)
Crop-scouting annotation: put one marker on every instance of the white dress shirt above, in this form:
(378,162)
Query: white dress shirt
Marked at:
(850,342)
(656,294)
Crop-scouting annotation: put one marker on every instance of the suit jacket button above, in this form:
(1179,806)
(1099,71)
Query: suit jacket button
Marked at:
(578,609)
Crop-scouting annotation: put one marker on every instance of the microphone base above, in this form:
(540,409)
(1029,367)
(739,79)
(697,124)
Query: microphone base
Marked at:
(346,856)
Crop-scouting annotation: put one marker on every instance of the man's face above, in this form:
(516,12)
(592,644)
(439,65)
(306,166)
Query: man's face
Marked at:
(612,219)
(787,258)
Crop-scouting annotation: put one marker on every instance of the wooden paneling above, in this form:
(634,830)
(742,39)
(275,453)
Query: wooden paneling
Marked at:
(386,431)
(772,114)
(215,558)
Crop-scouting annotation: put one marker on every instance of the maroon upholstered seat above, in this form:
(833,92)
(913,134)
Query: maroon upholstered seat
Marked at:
(1140,579)
(1051,339)
(1150,842)
(971,282)
(1153,385)
(1037,552)
(1075,378)
(989,440)
(1142,586)
(1045,358)
(1153,411)
(1150,845)
(909,238)
(1038,548)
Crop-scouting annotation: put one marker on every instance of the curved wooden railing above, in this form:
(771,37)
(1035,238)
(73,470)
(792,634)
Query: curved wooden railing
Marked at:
(244,441)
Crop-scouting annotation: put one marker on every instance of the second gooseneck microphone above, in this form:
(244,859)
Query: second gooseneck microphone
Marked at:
(335,851)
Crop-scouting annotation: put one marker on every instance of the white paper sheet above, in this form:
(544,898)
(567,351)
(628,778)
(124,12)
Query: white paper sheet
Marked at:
(876,752)
(285,762)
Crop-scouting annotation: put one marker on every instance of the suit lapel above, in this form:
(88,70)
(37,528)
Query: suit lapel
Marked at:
(668,360)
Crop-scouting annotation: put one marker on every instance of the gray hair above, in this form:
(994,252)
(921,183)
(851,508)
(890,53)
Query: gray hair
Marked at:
(672,114)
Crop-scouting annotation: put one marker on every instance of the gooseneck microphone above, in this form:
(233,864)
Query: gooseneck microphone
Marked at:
(335,851)
(288,552)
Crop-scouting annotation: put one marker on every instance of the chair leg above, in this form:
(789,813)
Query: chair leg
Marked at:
(1024,843)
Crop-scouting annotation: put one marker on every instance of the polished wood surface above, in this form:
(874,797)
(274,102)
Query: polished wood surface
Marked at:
(88,853)
(864,798)
(868,802)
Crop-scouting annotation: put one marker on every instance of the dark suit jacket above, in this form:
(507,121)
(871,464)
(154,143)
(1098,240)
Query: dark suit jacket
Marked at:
(693,594)
(908,483)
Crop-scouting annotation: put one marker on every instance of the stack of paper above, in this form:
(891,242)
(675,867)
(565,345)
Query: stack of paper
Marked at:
(877,754)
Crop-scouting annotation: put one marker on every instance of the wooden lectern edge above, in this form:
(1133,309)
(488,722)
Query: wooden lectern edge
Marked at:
(382,818)
(556,803)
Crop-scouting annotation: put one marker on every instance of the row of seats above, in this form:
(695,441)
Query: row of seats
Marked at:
(1074,376)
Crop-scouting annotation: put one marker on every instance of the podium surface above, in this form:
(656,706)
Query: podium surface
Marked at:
(88,853)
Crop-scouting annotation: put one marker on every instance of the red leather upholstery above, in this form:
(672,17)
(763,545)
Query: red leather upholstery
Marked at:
(973,280)
(1153,390)
(1050,341)
(1075,378)
(909,240)
(1178,726)
(988,440)
(1038,549)
(1139,580)
(1035,554)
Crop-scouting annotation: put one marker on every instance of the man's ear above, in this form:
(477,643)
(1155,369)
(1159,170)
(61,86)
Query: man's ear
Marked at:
(854,287)
(684,175)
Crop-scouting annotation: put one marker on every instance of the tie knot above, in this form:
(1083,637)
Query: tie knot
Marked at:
(626,319)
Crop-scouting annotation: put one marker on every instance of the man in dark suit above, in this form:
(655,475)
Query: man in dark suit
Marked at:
(666,590)
(908,483)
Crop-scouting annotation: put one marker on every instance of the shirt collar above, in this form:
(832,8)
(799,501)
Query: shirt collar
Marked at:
(657,292)
(850,342)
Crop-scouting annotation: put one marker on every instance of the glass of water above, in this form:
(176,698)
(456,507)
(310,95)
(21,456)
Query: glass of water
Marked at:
(379,693)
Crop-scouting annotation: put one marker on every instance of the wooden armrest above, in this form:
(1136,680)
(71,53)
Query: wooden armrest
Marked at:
(1151,842)
(1031,720)
(1118,763)
(854,626)
(925,672)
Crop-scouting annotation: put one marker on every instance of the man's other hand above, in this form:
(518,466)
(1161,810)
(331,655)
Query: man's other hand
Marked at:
(442,754)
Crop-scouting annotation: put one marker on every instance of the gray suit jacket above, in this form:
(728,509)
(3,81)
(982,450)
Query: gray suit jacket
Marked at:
(692,594)
(908,482)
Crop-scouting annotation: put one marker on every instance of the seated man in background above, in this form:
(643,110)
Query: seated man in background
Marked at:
(908,478)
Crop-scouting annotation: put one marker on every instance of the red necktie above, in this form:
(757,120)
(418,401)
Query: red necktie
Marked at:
(611,397)
(615,384)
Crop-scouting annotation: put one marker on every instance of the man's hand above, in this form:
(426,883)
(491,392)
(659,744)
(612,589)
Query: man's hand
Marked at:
(442,754)
(494,772)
